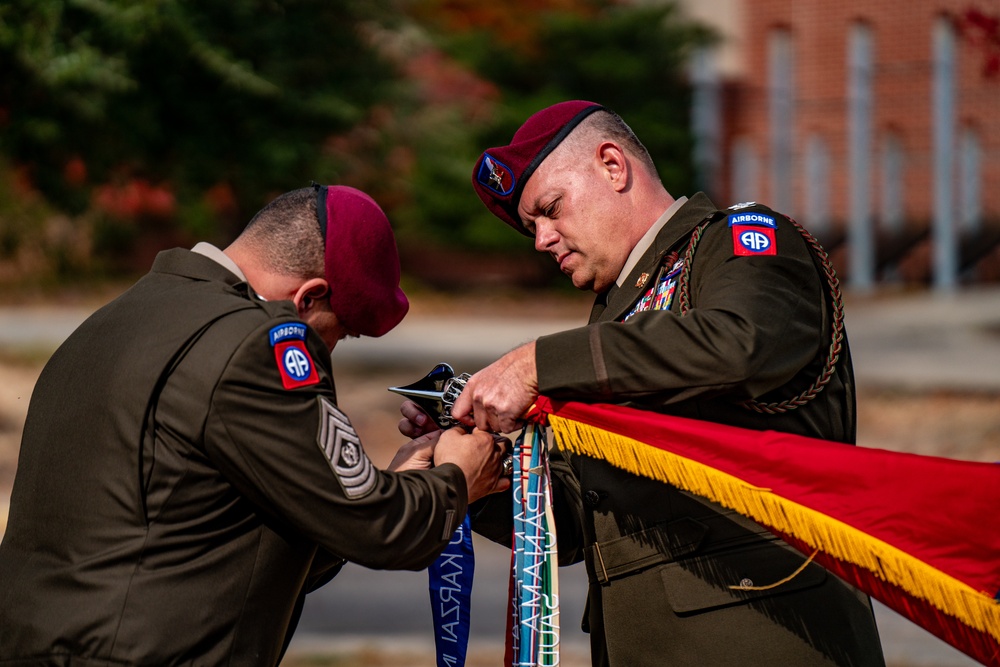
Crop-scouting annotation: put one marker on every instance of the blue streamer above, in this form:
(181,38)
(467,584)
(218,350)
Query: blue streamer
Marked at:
(451,597)
(533,638)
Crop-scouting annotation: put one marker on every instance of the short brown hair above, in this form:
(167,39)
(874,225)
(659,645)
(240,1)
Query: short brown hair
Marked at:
(285,235)
(606,124)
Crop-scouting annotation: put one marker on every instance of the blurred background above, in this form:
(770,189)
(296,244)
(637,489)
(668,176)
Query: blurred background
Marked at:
(131,126)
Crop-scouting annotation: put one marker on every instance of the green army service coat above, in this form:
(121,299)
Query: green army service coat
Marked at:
(757,327)
(186,476)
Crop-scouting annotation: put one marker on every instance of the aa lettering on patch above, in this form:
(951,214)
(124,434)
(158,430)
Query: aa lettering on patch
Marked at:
(295,365)
(750,240)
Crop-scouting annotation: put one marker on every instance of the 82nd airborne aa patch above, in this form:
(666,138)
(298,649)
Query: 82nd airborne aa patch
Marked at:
(753,234)
(295,366)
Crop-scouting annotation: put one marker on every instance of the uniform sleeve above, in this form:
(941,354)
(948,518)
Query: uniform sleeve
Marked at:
(754,323)
(295,455)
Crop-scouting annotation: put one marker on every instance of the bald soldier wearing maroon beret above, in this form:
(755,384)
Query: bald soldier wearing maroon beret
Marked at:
(753,337)
(185,475)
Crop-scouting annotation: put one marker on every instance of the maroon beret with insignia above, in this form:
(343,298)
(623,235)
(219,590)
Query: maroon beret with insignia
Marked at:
(362,263)
(501,173)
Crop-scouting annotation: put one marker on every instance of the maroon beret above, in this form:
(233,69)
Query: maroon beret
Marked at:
(501,173)
(362,263)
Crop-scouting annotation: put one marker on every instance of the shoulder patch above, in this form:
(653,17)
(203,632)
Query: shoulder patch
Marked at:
(342,448)
(752,218)
(753,232)
(749,240)
(295,365)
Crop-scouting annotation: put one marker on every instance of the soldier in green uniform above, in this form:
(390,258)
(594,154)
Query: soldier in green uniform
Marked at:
(185,475)
(731,316)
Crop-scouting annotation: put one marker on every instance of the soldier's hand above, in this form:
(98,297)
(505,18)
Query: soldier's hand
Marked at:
(496,398)
(417,454)
(480,456)
(415,421)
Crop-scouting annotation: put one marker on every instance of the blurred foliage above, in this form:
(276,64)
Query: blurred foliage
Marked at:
(629,57)
(160,122)
(38,244)
(184,95)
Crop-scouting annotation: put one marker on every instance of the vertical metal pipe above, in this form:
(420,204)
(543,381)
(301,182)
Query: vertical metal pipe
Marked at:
(781,94)
(861,232)
(944,231)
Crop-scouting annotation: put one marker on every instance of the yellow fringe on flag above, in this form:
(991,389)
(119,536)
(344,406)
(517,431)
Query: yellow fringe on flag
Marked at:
(835,538)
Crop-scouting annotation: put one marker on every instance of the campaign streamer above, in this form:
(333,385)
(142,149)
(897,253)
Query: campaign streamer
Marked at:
(919,533)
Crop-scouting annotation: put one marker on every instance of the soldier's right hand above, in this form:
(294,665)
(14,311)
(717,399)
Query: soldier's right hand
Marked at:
(479,455)
(496,398)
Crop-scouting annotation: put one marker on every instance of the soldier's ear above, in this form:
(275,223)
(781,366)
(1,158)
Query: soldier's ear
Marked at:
(309,293)
(615,164)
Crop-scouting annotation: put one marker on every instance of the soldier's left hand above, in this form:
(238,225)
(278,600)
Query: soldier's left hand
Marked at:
(417,454)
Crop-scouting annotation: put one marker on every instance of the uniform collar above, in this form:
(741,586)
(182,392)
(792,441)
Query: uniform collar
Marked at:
(676,227)
(197,266)
(647,239)
(213,253)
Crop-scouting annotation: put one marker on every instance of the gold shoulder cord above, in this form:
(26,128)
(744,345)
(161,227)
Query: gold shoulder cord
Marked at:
(836,328)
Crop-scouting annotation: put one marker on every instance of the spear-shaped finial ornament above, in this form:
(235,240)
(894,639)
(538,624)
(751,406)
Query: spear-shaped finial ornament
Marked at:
(435,393)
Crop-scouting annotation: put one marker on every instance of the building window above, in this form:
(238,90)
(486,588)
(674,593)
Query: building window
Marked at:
(893,170)
(970,195)
(746,168)
(817,186)
(706,119)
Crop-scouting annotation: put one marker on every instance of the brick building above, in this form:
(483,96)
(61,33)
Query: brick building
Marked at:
(874,123)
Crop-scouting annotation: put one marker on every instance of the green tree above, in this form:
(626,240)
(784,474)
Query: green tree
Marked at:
(185,94)
(630,57)
(184,116)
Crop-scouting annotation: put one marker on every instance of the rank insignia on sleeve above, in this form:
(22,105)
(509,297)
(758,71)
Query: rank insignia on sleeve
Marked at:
(749,240)
(342,448)
(295,366)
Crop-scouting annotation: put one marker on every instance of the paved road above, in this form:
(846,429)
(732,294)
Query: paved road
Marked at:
(927,341)
(350,611)
(915,341)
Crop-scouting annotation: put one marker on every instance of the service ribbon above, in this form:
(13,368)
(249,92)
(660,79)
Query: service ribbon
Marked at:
(533,639)
(450,578)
